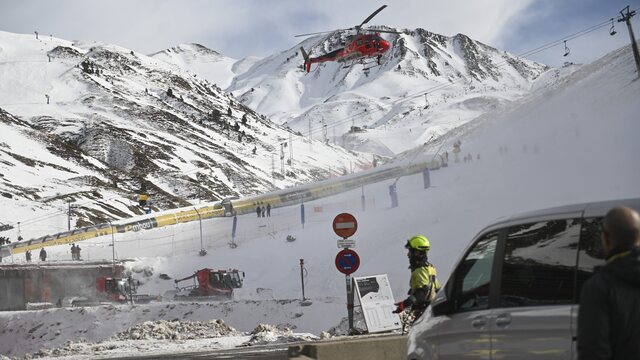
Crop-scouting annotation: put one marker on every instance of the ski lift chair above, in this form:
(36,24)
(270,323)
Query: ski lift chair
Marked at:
(612,31)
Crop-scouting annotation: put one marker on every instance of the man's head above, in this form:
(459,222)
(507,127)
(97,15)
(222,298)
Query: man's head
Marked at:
(620,229)
(418,246)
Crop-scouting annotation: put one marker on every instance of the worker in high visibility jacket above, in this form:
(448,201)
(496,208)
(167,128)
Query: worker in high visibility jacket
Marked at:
(424,283)
(142,199)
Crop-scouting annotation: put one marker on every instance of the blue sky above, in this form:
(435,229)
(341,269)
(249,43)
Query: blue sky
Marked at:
(258,27)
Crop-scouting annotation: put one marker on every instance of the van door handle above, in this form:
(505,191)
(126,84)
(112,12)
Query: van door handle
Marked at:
(503,320)
(479,322)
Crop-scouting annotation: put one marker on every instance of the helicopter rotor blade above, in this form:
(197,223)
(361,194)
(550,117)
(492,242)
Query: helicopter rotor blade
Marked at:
(315,33)
(371,16)
(389,32)
(385,31)
(356,28)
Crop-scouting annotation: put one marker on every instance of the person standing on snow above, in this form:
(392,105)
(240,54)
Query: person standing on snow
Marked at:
(608,317)
(423,282)
(43,254)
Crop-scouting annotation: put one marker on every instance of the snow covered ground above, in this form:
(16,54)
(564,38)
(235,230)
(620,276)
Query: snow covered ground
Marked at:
(573,141)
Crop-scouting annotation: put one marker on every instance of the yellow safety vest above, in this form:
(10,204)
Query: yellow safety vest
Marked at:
(424,276)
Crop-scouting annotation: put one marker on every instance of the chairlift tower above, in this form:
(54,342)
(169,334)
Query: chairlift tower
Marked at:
(282,158)
(626,17)
(71,207)
(291,149)
(273,172)
(310,144)
(324,132)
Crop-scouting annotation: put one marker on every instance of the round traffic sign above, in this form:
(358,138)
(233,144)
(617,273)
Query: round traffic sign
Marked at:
(347,261)
(345,225)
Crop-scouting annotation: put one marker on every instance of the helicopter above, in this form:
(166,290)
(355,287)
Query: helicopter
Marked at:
(363,45)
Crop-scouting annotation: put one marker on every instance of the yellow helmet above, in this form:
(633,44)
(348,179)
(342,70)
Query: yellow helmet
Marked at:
(418,242)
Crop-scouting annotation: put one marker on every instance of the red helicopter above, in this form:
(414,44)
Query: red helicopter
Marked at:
(358,47)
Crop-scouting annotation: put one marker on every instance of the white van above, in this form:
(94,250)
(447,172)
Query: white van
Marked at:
(515,292)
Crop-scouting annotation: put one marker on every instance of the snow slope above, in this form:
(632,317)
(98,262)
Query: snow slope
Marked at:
(204,62)
(574,140)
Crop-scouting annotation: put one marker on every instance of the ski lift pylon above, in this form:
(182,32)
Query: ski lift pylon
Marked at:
(566,49)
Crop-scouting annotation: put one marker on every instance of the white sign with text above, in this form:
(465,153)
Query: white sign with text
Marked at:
(376,299)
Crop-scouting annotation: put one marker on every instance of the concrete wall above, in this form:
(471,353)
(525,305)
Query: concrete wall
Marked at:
(387,347)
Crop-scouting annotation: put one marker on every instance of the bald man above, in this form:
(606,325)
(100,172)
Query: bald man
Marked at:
(609,315)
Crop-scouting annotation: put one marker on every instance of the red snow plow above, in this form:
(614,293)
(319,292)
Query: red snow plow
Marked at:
(210,284)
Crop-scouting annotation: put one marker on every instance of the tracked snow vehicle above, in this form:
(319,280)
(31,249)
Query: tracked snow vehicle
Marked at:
(209,285)
(114,290)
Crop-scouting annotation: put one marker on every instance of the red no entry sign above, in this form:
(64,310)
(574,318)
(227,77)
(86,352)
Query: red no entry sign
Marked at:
(345,225)
(347,261)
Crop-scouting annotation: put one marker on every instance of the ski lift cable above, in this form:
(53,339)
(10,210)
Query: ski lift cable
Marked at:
(567,37)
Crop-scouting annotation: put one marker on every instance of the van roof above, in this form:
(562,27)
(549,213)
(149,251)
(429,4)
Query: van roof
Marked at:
(586,209)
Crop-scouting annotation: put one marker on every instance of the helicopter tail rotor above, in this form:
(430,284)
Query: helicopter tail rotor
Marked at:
(307,63)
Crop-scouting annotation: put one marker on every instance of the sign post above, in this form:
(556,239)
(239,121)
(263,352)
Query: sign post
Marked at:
(349,301)
(233,232)
(302,277)
(347,261)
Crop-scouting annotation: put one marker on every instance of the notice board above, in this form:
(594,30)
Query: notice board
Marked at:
(376,299)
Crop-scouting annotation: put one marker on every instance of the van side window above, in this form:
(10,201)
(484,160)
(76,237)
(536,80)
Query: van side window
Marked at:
(473,275)
(591,253)
(539,263)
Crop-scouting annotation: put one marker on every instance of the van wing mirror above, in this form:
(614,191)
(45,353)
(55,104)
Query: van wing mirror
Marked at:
(441,308)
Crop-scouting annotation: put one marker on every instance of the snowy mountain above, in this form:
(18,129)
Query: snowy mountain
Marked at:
(571,141)
(426,85)
(94,123)
(206,63)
